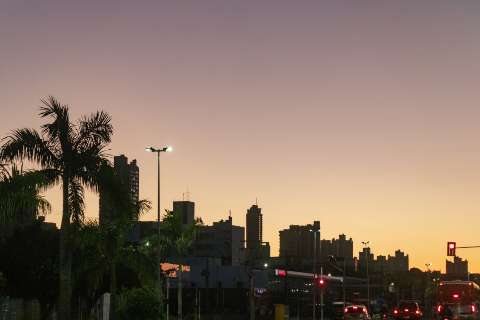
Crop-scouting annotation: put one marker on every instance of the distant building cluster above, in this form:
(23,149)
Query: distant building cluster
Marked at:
(300,245)
(399,262)
(457,269)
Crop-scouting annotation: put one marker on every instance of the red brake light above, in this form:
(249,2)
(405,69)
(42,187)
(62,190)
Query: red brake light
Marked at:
(417,312)
(395,311)
(406,310)
(345,310)
(456,296)
(439,309)
(474,308)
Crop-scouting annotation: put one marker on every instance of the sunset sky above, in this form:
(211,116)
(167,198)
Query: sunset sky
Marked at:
(362,114)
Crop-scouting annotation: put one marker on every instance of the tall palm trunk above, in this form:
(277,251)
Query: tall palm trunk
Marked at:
(179,295)
(65,268)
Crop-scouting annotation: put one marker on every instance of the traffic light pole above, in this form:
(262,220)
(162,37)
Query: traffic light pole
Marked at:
(314,284)
(321,294)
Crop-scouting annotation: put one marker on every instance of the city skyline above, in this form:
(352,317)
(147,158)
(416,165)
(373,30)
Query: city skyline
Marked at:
(362,116)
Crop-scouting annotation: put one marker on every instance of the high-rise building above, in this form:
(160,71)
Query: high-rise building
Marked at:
(256,248)
(254,226)
(399,262)
(343,248)
(221,240)
(186,210)
(297,243)
(458,267)
(366,258)
(128,174)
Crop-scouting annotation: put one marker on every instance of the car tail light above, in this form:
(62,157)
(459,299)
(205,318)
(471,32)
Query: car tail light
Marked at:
(456,296)
(395,311)
(474,308)
(345,310)
(364,310)
(439,309)
(417,312)
(406,310)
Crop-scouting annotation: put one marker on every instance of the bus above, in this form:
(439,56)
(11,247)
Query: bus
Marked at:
(458,300)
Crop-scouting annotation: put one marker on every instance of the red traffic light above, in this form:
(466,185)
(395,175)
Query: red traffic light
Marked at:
(451,248)
(320,282)
(281,273)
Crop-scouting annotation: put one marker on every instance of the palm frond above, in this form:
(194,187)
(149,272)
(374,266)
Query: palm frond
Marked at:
(20,199)
(76,201)
(60,129)
(95,129)
(28,144)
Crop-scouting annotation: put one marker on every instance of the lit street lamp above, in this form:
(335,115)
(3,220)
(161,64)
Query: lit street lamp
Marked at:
(159,275)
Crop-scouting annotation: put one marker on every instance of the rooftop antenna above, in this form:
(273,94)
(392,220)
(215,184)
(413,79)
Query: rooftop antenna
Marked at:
(256,201)
(188,194)
(229,213)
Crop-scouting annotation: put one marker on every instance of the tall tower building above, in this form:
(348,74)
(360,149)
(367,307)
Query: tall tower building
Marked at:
(186,210)
(256,249)
(254,226)
(299,244)
(128,174)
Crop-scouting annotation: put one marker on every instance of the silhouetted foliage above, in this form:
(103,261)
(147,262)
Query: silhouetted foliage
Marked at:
(72,153)
(29,263)
(138,304)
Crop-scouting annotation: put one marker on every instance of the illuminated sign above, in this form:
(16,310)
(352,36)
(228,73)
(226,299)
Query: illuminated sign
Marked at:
(170,269)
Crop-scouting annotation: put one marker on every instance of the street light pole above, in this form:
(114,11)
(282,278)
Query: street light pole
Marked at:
(158,255)
(365,244)
(159,271)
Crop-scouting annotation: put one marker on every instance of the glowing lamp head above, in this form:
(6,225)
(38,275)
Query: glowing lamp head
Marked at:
(168,149)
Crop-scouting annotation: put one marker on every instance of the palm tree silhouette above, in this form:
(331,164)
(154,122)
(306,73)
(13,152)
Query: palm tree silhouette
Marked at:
(72,153)
(20,198)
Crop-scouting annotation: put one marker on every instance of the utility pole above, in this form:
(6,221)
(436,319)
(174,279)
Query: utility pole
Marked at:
(343,282)
(251,296)
(168,297)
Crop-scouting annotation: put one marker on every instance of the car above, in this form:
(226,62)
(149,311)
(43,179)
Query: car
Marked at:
(356,312)
(407,310)
(337,309)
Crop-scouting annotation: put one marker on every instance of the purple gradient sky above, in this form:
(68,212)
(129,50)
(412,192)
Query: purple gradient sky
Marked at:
(362,114)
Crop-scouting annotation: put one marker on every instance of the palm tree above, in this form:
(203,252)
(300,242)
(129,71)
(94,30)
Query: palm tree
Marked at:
(115,229)
(72,153)
(178,239)
(20,198)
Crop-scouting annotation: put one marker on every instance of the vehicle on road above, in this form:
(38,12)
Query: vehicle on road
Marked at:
(458,300)
(338,308)
(356,312)
(407,310)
